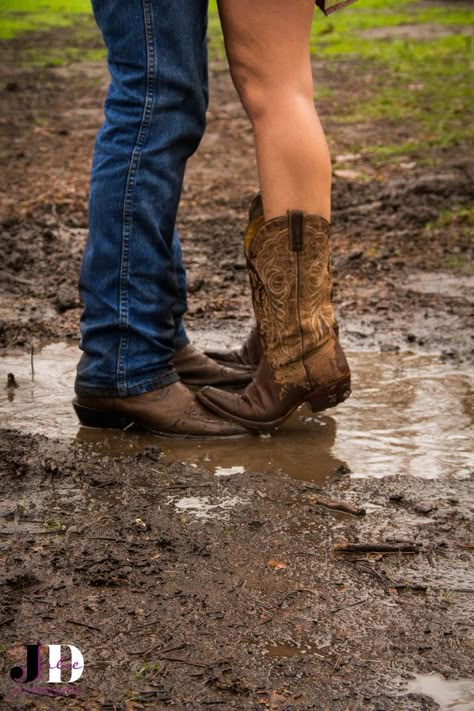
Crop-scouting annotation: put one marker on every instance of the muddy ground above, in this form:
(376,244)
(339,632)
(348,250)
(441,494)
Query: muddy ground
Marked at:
(252,607)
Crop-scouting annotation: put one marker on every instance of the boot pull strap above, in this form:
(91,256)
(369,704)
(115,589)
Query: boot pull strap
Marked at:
(296,229)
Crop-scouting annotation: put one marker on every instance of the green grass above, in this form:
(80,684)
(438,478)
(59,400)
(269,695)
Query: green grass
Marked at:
(19,16)
(420,83)
(460,216)
(57,57)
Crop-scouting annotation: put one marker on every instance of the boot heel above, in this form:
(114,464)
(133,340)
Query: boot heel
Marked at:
(330,395)
(96,418)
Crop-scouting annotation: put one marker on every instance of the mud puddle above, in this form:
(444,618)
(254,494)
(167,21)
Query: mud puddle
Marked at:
(292,650)
(450,695)
(409,414)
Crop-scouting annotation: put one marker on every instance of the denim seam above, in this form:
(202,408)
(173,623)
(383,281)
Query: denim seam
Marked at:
(129,195)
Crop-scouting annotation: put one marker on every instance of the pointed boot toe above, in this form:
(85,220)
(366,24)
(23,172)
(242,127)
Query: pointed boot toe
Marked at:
(197,370)
(171,411)
(220,401)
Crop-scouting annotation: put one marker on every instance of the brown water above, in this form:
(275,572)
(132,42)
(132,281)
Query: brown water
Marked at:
(409,414)
(293,650)
(452,695)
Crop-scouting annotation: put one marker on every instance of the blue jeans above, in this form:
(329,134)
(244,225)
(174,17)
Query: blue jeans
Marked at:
(133,282)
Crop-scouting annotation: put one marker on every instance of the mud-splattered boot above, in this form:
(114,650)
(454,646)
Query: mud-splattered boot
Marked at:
(249,354)
(288,261)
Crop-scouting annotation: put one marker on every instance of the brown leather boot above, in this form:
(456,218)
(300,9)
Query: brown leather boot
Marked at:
(246,358)
(250,353)
(288,260)
(196,369)
(172,411)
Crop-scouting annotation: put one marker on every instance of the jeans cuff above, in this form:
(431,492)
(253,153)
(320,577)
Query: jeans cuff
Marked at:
(181,342)
(154,383)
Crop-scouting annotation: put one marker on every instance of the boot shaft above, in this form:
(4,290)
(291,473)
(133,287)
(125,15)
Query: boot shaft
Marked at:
(288,259)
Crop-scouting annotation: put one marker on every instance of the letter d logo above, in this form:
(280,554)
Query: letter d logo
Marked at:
(55,663)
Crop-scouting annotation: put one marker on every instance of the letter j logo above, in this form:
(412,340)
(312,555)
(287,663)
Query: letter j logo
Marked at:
(56,664)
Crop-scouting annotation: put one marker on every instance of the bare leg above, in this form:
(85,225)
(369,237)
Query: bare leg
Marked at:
(267,45)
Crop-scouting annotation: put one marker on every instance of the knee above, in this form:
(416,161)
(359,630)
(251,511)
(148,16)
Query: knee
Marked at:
(175,114)
(264,92)
(249,84)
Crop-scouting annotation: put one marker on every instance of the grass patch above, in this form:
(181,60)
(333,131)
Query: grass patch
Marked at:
(20,16)
(420,82)
(59,56)
(459,216)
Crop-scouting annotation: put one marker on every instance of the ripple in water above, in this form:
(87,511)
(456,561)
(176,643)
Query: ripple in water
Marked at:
(408,414)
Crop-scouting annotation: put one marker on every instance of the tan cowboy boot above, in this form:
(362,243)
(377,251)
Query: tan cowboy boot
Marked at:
(249,355)
(250,352)
(288,260)
(195,369)
(172,411)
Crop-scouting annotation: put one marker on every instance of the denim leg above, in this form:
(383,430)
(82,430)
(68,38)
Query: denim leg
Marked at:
(180,306)
(154,121)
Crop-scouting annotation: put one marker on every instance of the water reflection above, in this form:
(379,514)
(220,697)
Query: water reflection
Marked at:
(301,449)
(455,695)
(409,414)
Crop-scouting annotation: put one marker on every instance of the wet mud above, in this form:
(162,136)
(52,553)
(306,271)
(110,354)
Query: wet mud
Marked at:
(215,575)
(183,587)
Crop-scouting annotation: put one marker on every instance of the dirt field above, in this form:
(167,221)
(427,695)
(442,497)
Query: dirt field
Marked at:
(251,606)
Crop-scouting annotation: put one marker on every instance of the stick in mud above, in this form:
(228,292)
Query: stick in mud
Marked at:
(377,547)
(337,505)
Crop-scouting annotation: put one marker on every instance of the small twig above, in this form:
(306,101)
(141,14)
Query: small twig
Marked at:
(352,604)
(377,547)
(101,484)
(184,661)
(174,649)
(295,592)
(106,538)
(367,568)
(469,546)
(83,624)
(190,486)
(337,505)
(32,355)
(430,553)
(461,590)
(336,666)
(139,628)
(155,647)
(7,621)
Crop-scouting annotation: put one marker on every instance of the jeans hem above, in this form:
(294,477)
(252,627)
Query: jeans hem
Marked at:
(139,389)
(181,343)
